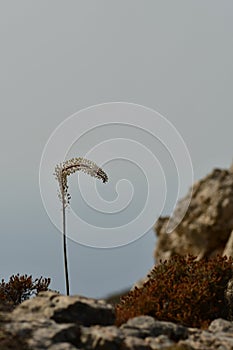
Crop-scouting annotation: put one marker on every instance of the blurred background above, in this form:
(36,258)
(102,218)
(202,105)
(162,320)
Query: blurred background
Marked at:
(58,57)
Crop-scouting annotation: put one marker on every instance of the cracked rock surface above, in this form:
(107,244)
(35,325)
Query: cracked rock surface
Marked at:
(35,324)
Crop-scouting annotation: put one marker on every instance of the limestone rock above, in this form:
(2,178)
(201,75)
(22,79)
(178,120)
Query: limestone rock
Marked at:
(63,309)
(101,338)
(218,336)
(147,326)
(220,325)
(208,223)
(133,343)
(159,343)
(31,326)
(42,334)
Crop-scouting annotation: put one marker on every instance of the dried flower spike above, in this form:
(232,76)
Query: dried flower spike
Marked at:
(62,171)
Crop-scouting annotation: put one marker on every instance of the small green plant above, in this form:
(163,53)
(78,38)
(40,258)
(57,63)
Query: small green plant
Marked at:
(62,171)
(20,288)
(181,290)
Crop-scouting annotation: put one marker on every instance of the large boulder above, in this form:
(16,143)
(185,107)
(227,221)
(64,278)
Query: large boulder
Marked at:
(206,227)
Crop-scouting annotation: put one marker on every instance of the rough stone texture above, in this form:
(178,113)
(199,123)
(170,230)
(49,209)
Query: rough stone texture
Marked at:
(146,326)
(220,325)
(218,336)
(102,338)
(34,324)
(132,343)
(42,334)
(208,223)
(63,309)
(159,343)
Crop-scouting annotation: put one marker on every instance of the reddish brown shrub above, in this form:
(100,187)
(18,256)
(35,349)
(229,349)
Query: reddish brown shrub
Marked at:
(181,290)
(20,288)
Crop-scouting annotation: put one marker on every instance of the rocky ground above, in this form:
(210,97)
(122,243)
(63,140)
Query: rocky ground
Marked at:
(56,322)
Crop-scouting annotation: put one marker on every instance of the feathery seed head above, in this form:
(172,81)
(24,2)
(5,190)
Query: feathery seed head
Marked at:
(63,170)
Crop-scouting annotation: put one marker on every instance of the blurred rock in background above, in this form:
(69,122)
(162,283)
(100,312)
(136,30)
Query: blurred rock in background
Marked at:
(206,229)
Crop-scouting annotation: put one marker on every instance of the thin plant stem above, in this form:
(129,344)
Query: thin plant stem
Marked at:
(65,245)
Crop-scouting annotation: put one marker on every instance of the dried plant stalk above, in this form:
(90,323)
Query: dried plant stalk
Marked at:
(62,171)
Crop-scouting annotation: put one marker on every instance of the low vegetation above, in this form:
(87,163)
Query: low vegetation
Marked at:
(20,288)
(181,290)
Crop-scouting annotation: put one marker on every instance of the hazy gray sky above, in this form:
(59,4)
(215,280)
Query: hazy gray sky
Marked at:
(58,57)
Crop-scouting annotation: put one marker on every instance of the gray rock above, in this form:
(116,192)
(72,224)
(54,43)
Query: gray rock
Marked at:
(33,321)
(43,337)
(219,336)
(162,342)
(41,334)
(101,338)
(220,325)
(51,319)
(63,309)
(133,343)
(146,326)
(207,341)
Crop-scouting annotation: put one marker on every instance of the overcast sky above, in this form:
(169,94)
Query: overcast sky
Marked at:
(58,57)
